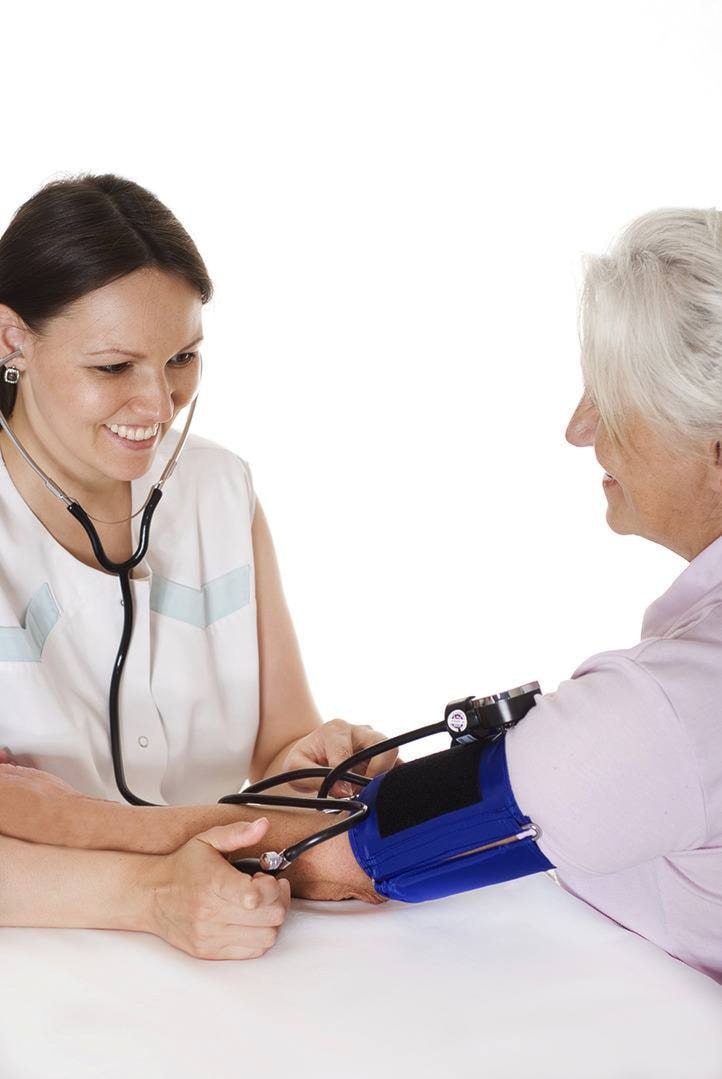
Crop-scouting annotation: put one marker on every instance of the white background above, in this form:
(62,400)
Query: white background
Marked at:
(392,199)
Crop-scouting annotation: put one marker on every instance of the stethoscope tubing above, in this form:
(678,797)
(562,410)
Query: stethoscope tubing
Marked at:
(122,570)
(251,796)
(355,809)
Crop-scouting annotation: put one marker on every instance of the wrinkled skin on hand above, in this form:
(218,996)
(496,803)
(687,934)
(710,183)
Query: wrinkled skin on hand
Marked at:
(329,871)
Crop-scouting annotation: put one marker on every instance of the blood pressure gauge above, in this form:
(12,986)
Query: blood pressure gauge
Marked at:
(487,718)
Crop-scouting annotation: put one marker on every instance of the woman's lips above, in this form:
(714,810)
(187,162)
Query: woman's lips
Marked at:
(129,444)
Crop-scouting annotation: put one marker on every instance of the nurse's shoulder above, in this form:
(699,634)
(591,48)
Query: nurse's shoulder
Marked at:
(206,467)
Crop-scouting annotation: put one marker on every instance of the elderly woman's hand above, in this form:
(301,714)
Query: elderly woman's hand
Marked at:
(332,743)
(330,871)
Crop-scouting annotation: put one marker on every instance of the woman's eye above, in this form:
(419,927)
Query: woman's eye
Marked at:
(112,368)
(183,359)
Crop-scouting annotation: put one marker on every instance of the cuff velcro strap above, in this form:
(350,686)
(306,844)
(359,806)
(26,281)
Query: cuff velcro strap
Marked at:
(429,818)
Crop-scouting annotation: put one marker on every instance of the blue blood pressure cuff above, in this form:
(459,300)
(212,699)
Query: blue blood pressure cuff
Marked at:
(445,823)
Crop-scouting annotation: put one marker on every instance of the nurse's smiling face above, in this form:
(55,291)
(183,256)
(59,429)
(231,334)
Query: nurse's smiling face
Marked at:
(73,387)
(653,488)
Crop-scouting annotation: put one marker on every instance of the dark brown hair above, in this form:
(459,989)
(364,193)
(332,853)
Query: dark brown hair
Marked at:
(76,235)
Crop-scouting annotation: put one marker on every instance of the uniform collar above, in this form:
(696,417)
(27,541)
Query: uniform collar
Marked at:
(701,577)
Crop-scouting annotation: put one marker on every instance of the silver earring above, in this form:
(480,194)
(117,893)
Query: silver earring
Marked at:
(11,374)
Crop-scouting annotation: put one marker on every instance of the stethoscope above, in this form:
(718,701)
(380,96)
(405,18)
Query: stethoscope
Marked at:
(470,719)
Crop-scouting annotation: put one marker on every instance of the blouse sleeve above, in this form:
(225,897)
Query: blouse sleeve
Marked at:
(605,768)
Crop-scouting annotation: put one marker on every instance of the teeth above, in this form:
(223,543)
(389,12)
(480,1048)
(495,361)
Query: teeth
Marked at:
(133,434)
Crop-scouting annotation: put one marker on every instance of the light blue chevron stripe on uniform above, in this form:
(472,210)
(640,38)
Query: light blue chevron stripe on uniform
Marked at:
(24,644)
(201,607)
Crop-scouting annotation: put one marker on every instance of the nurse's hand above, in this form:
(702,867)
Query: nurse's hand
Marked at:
(35,781)
(40,807)
(332,743)
(202,905)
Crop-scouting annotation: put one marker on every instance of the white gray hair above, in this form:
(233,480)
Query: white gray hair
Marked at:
(650,325)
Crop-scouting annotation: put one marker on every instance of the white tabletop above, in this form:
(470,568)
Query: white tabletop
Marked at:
(520,980)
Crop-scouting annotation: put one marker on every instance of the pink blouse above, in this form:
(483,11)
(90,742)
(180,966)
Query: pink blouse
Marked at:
(621,768)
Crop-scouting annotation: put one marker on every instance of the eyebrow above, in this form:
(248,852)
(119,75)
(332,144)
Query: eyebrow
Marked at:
(137,355)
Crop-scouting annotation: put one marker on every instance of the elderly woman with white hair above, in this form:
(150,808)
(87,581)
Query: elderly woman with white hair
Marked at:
(621,767)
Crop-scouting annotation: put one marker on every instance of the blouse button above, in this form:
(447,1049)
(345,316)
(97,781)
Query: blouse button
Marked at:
(142,741)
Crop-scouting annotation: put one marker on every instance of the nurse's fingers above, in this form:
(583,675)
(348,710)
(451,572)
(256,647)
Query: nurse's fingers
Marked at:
(332,743)
(231,837)
(364,737)
(226,941)
(22,760)
(250,944)
(281,893)
(384,761)
(272,914)
(261,891)
(324,747)
(361,736)
(285,892)
(339,740)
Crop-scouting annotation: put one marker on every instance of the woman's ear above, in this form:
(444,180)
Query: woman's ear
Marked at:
(14,336)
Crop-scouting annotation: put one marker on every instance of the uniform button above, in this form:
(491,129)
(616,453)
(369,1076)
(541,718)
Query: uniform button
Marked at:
(142,741)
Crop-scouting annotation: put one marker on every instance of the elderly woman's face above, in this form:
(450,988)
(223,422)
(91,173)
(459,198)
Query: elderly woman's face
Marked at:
(652,489)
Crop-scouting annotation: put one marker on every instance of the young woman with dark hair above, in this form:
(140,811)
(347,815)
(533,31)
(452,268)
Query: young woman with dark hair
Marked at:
(101,295)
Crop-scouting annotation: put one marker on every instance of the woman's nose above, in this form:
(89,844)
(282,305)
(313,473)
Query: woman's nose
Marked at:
(582,427)
(154,401)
